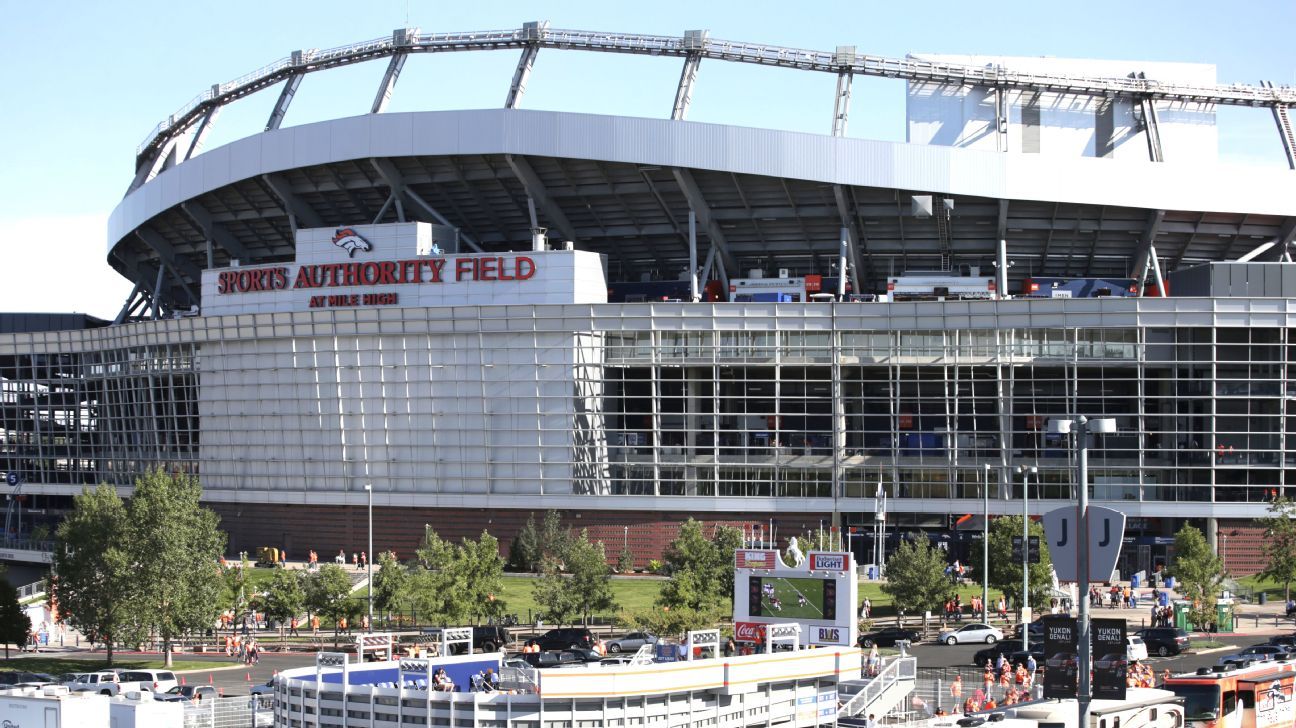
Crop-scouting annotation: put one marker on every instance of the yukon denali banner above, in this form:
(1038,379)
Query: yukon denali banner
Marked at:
(1059,657)
(1109,658)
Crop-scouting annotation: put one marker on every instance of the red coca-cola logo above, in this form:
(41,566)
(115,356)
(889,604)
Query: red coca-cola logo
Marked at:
(749,631)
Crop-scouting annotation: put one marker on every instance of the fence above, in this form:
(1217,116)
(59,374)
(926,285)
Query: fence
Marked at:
(29,591)
(902,668)
(247,711)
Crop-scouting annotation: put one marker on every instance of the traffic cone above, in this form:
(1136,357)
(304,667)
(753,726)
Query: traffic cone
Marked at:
(209,678)
(249,677)
(182,680)
(220,692)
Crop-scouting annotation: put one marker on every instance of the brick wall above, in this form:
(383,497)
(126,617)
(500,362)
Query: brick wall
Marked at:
(326,529)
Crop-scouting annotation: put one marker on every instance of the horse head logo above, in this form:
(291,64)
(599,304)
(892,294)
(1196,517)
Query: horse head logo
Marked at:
(350,241)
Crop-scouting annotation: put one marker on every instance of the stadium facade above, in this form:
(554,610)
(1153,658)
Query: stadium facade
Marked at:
(375,300)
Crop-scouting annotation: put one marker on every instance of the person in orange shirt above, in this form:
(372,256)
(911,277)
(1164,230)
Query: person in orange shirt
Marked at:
(990,704)
(315,623)
(956,688)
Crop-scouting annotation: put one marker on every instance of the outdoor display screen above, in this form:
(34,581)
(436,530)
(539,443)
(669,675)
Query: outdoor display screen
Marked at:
(792,597)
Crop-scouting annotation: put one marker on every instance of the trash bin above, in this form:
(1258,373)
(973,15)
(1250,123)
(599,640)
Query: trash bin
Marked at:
(872,573)
(1163,599)
(1134,581)
(1170,582)
(1223,617)
(1264,597)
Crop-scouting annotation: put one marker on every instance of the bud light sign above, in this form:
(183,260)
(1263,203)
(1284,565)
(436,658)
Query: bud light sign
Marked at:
(827,562)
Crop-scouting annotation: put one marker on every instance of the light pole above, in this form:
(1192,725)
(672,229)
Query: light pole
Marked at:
(1026,472)
(1083,428)
(369,561)
(985,547)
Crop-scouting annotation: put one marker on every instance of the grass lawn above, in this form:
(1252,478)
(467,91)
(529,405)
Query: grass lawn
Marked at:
(1257,585)
(57,665)
(631,594)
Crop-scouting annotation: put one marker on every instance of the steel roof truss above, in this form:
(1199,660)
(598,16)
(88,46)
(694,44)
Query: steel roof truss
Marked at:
(280,109)
(535,189)
(214,231)
(698,204)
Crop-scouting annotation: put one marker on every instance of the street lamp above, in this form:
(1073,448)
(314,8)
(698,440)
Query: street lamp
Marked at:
(369,561)
(1026,472)
(1083,428)
(985,548)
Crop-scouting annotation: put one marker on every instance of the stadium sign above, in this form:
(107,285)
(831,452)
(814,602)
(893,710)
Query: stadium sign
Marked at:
(749,559)
(377,273)
(828,562)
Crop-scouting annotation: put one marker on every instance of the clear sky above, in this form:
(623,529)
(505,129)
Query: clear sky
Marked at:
(84,82)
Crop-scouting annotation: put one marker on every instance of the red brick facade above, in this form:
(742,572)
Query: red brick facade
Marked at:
(327,529)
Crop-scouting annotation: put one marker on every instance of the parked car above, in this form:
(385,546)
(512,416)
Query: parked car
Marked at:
(888,636)
(266,688)
(1011,652)
(103,682)
(561,639)
(156,681)
(1135,648)
(1036,630)
(1288,640)
(490,638)
(1272,652)
(187,693)
(631,642)
(583,654)
(1164,641)
(974,632)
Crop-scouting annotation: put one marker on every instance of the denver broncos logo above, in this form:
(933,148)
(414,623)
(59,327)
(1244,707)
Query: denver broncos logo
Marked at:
(350,241)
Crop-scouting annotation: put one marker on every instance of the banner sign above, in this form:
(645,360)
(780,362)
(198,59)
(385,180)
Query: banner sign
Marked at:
(1110,662)
(1060,657)
(755,559)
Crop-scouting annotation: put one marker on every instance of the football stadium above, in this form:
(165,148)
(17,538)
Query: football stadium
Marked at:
(471,316)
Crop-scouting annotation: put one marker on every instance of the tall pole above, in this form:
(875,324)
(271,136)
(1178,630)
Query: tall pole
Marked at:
(1082,543)
(369,561)
(1026,473)
(985,547)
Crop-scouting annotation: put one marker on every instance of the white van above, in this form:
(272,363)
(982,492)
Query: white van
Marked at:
(157,681)
(1135,649)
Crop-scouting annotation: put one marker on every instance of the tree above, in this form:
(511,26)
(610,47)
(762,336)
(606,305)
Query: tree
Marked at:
(1199,573)
(439,591)
(553,593)
(701,576)
(94,578)
(1006,572)
(175,544)
(725,540)
(625,562)
(390,583)
(286,596)
(591,579)
(328,594)
(916,578)
(14,624)
(666,620)
(552,543)
(481,573)
(525,547)
(1280,545)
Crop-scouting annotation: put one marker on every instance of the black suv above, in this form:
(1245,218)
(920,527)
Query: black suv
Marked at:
(1164,640)
(561,639)
(490,638)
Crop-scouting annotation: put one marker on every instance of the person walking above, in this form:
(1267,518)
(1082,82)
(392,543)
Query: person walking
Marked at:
(292,627)
(956,688)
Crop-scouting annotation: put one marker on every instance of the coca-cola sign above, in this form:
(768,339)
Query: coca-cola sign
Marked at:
(749,632)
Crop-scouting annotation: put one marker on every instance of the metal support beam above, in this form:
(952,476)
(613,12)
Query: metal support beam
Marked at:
(150,166)
(200,132)
(857,241)
(293,205)
(535,189)
(1001,253)
(693,272)
(180,267)
(1279,249)
(1001,118)
(129,305)
(1156,272)
(843,250)
(157,292)
(388,84)
(698,204)
(396,182)
(1142,256)
(841,104)
(1151,125)
(694,43)
(1282,118)
(216,232)
(285,98)
(522,73)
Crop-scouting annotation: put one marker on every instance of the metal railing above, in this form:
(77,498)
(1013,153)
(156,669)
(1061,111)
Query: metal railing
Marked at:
(34,589)
(27,544)
(901,668)
(244,711)
(907,69)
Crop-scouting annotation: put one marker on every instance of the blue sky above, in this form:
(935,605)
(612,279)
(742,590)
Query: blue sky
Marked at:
(85,81)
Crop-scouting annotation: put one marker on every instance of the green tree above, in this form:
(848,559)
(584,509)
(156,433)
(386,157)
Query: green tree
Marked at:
(1280,545)
(1006,572)
(525,547)
(553,593)
(285,597)
(175,543)
(916,578)
(481,574)
(664,620)
(625,562)
(235,582)
(438,591)
(390,583)
(591,579)
(328,594)
(14,624)
(699,571)
(1199,573)
(725,540)
(552,543)
(94,577)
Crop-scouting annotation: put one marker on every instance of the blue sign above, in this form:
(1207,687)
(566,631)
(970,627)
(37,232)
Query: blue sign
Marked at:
(12,478)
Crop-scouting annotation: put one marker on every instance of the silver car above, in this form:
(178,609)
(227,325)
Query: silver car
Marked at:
(631,642)
(975,632)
